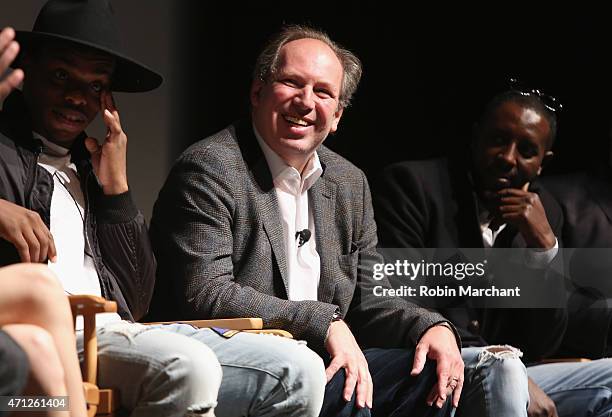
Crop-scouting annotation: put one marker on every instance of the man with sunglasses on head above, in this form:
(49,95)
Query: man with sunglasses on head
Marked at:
(491,199)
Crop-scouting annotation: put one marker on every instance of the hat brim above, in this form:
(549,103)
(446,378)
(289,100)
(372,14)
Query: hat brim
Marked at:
(130,76)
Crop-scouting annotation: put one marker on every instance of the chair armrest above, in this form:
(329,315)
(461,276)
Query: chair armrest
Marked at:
(90,304)
(242,323)
(556,360)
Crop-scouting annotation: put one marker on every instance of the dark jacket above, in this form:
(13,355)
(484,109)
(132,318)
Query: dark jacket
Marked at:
(586,200)
(432,204)
(114,228)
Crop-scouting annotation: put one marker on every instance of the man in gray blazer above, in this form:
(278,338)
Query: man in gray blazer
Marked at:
(262,220)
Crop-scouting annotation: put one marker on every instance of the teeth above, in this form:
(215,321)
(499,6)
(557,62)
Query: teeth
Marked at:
(296,121)
(70,118)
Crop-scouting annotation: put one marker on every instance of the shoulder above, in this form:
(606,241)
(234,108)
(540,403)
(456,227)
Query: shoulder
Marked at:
(414,174)
(213,149)
(337,167)
(567,186)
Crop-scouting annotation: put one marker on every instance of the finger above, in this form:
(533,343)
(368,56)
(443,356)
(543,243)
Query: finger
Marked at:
(525,187)
(362,390)
(11,82)
(350,383)
(511,209)
(33,244)
(111,122)
(508,201)
(52,249)
(420,355)
(441,400)
(22,248)
(109,101)
(554,412)
(6,37)
(443,371)
(112,106)
(457,392)
(517,192)
(92,145)
(42,235)
(370,400)
(8,55)
(333,367)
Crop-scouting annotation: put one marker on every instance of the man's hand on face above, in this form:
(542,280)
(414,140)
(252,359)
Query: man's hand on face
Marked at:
(439,344)
(27,232)
(109,159)
(8,51)
(346,353)
(540,404)
(525,211)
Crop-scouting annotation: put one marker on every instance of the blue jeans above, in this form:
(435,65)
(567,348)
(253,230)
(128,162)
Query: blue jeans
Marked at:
(578,389)
(396,393)
(495,383)
(157,372)
(171,370)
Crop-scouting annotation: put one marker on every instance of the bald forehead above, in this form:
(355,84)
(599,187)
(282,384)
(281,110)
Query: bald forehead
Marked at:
(312,51)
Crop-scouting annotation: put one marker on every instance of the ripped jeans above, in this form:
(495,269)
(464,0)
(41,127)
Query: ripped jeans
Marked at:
(157,372)
(495,383)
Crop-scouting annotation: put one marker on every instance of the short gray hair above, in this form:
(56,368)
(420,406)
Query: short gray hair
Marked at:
(267,61)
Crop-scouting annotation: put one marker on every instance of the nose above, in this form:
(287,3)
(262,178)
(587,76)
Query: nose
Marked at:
(304,99)
(508,155)
(76,94)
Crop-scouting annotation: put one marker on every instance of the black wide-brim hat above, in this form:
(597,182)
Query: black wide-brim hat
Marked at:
(91,23)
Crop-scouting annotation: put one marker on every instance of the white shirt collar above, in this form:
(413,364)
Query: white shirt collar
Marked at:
(50,148)
(282,172)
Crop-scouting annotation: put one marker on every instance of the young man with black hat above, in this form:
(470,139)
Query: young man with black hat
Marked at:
(65,200)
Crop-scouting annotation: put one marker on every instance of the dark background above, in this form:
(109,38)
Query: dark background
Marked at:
(425,76)
(426,72)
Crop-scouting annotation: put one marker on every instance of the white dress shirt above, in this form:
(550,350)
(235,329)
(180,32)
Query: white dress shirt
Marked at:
(303,262)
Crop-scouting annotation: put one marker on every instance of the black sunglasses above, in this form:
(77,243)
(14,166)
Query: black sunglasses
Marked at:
(551,103)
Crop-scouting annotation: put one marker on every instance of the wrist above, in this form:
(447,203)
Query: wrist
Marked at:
(115,188)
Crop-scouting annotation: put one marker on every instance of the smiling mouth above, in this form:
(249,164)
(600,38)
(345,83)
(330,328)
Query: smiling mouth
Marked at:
(70,118)
(296,121)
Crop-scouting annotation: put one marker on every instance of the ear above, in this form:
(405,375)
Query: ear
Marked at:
(336,121)
(256,89)
(545,161)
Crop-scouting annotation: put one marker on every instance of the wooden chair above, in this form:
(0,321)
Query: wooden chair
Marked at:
(105,402)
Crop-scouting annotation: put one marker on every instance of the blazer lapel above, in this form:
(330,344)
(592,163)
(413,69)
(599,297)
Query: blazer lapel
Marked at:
(322,197)
(267,203)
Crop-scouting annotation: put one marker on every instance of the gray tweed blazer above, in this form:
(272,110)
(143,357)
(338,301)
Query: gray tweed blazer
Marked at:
(218,239)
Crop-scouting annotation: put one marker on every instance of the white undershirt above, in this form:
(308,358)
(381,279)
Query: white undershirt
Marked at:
(303,263)
(74,267)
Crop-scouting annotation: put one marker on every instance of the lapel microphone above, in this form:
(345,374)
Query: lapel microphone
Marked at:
(303,236)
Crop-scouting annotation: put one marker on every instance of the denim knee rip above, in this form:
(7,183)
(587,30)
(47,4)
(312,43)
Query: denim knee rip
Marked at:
(125,328)
(498,352)
(206,410)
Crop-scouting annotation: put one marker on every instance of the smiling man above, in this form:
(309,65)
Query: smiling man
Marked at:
(492,199)
(263,220)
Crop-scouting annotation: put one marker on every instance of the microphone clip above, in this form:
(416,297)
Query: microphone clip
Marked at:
(303,236)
